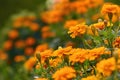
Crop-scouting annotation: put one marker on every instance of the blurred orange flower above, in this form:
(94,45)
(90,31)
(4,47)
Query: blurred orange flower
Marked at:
(19,58)
(30,63)
(110,11)
(13,34)
(3,55)
(41,48)
(65,73)
(29,51)
(106,66)
(30,41)
(70,23)
(8,45)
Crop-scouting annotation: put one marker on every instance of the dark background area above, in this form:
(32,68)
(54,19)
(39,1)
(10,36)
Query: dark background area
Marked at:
(10,7)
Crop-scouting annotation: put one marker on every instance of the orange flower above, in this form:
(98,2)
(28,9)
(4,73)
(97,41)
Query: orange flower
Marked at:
(19,44)
(118,64)
(34,26)
(45,29)
(41,48)
(8,45)
(110,11)
(55,62)
(90,78)
(45,55)
(116,42)
(3,56)
(61,52)
(30,63)
(30,41)
(96,52)
(65,73)
(46,32)
(77,30)
(106,66)
(29,51)
(53,16)
(47,35)
(79,6)
(19,58)
(13,34)
(64,7)
(117,53)
(26,23)
(99,25)
(78,55)
(41,79)
(91,30)
(70,23)
(17,23)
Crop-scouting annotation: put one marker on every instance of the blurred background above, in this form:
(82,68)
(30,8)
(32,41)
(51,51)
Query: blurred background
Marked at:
(21,40)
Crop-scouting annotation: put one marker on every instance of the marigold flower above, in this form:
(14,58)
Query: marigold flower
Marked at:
(62,51)
(77,30)
(90,78)
(106,66)
(46,32)
(19,58)
(19,44)
(45,54)
(30,63)
(91,30)
(3,55)
(8,45)
(29,51)
(53,16)
(118,64)
(13,34)
(116,42)
(96,52)
(34,26)
(99,25)
(55,62)
(79,6)
(78,55)
(110,11)
(30,41)
(41,48)
(70,23)
(65,73)
(64,7)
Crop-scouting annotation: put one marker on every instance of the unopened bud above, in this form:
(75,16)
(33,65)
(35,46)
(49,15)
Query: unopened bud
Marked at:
(99,20)
(105,22)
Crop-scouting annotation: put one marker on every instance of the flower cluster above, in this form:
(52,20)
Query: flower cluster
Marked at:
(72,40)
